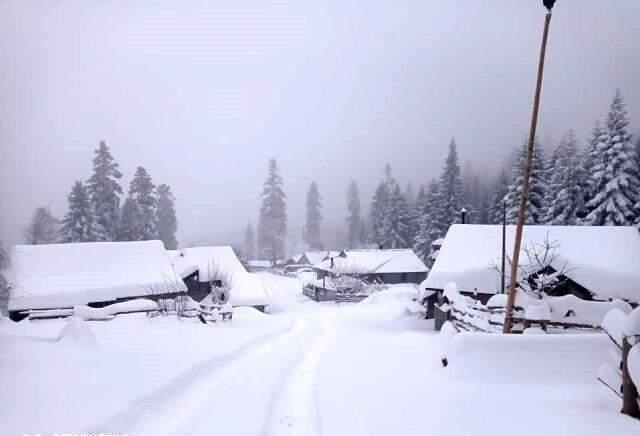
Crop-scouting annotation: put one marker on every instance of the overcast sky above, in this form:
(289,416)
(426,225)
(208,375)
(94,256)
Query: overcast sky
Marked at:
(203,93)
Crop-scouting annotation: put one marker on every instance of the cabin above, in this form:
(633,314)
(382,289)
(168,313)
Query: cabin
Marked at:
(592,263)
(257,265)
(96,274)
(390,266)
(219,267)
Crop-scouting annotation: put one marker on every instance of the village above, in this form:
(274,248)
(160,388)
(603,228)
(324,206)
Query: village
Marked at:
(501,296)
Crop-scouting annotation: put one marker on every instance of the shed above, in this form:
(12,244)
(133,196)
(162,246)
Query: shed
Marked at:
(389,266)
(96,274)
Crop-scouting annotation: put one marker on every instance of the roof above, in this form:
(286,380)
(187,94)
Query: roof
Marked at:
(181,265)
(246,288)
(376,261)
(315,257)
(605,260)
(64,275)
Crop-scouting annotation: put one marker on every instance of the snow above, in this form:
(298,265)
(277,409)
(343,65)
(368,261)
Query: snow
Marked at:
(603,259)
(538,312)
(181,265)
(633,363)
(372,368)
(246,288)
(77,332)
(614,324)
(582,312)
(369,261)
(64,275)
(632,324)
(108,312)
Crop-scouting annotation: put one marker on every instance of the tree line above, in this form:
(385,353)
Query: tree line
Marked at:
(94,212)
(595,185)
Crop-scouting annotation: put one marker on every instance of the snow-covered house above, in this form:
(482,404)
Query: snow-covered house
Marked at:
(373,265)
(219,266)
(598,263)
(59,276)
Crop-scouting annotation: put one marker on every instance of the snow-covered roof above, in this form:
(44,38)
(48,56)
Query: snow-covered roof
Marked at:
(63,275)
(258,263)
(181,265)
(315,257)
(605,260)
(246,287)
(376,261)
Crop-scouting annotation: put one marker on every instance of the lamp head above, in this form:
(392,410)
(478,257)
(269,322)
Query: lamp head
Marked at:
(548,3)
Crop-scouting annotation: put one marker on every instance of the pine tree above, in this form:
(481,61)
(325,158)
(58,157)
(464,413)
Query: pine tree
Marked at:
(314,217)
(249,243)
(272,227)
(105,191)
(80,224)
(432,222)
(417,210)
(43,228)
(379,205)
(613,179)
(564,196)
(451,187)
(166,217)
(142,192)
(128,225)
(500,191)
(396,221)
(412,212)
(354,219)
(534,209)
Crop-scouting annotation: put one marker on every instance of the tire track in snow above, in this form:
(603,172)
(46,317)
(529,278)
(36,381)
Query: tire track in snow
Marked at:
(295,409)
(178,400)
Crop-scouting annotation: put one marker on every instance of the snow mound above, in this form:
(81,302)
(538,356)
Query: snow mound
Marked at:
(614,324)
(87,313)
(534,331)
(633,363)
(76,331)
(538,312)
(632,324)
(394,303)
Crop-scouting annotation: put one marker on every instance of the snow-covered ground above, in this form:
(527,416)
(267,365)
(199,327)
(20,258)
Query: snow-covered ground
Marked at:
(372,368)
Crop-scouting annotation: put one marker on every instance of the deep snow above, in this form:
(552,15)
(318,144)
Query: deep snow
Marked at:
(307,368)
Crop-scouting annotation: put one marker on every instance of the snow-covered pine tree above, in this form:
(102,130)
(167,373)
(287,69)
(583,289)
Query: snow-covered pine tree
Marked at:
(105,191)
(412,212)
(79,224)
(379,206)
(565,178)
(272,227)
(128,223)
(396,221)
(418,211)
(249,248)
(43,228)
(166,217)
(451,187)
(353,218)
(314,218)
(500,190)
(4,286)
(432,223)
(143,192)
(613,180)
(534,210)
(590,158)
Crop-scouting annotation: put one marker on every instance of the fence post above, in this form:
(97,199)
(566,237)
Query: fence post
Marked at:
(629,390)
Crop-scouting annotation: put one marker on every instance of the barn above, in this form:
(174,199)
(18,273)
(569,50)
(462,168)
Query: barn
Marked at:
(59,276)
(592,263)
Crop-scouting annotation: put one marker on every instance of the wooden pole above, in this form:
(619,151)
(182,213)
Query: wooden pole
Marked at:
(504,246)
(525,182)
(629,390)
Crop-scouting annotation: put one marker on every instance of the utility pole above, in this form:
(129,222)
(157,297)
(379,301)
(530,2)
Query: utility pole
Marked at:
(504,245)
(508,322)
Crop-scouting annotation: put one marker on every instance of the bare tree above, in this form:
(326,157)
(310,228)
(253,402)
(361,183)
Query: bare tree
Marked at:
(43,228)
(543,271)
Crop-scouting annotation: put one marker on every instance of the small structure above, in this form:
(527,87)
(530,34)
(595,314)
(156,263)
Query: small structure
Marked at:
(592,263)
(375,266)
(96,274)
(220,267)
(258,265)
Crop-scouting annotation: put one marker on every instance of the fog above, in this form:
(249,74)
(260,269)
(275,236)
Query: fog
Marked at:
(202,94)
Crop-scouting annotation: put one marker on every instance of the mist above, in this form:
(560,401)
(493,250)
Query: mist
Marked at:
(202,94)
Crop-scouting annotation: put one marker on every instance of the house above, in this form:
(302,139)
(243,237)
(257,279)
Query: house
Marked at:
(219,266)
(375,265)
(257,265)
(593,263)
(60,276)
(189,272)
